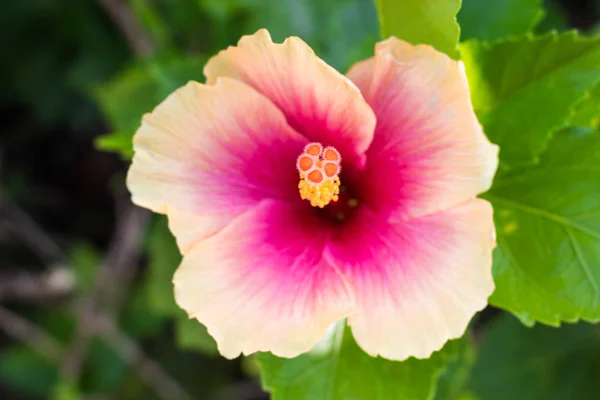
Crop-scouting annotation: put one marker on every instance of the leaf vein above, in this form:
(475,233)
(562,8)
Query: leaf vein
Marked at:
(584,265)
(559,219)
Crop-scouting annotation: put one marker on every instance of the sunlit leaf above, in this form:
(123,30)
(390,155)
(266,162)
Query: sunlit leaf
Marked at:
(341,370)
(524,89)
(416,21)
(587,113)
(116,142)
(547,264)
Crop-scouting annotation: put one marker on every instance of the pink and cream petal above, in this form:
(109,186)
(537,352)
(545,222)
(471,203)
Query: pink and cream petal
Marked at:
(416,283)
(261,283)
(317,101)
(429,151)
(213,152)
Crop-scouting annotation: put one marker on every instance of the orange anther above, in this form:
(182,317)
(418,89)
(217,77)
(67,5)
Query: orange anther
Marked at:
(331,154)
(314,149)
(315,176)
(305,163)
(331,169)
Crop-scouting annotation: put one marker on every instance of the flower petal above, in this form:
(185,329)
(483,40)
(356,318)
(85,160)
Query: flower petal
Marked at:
(417,283)
(429,151)
(317,101)
(261,283)
(211,153)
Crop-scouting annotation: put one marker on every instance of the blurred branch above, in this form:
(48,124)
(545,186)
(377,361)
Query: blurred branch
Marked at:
(23,330)
(112,280)
(147,369)
(97,312)
(124,18)
(20,223)
(119,267)
(55,283)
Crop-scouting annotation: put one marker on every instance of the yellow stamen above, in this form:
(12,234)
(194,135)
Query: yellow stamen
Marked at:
(319,169)
(319,195)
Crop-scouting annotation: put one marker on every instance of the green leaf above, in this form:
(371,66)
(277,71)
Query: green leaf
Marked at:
(324,25)
(344,371)
(541,363)
(116,142)
(452,381)
(66,391)
(85,261)
(587,113)
(523,90)
(140,320)
(496,19)
(164,258)
(104,369)
(554,19)
(416,21)
(192,335)
(154,24)
(547,263)
(136,91)
(27,372)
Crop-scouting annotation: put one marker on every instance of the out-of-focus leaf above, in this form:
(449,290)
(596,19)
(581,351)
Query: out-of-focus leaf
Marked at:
(137,91)
(340,31)
(524,89)
(116,142)
(66,391)
(85,261)
(152,302)
(416,21)
(554,18)
(547,263)
(164,258)
(51,76)
(345,31)
(104,369)
(140,319)
(540,363)
(587,113)
(496,19)
(192,335)
(153,22)
(27,372)
(343,371)
(58,323)
(452,382)
(250,366)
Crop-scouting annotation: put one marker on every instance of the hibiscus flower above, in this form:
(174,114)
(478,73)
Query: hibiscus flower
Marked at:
(299,196)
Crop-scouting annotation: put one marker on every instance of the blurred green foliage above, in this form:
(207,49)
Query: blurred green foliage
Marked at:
(538,363)
(497,19)
(68,63)
(53,52)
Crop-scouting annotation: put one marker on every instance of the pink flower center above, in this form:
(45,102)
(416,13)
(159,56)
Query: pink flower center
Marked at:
(319,170)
